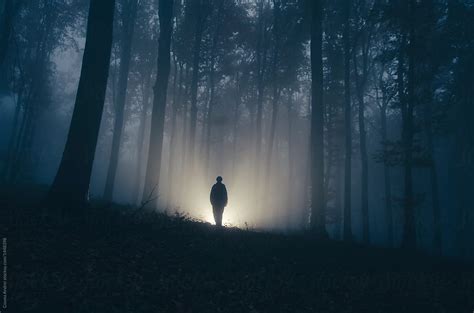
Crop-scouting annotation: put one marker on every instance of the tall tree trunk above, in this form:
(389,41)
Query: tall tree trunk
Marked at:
(236,124)
(329,121)
(152,176)
(429,70)
(365,172)
(141,139)
(129,13)
(409,227)
(174,117)
(194,83)
(261,69)
(7,22)
(71,184)
(433,173)
(289,199)
(214,48)
(360,89)
(386,174)
(347,228)
(13,134)
(318,202)
(275,99)
(184,141)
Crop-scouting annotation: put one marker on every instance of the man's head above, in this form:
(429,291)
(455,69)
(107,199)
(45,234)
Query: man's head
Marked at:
(219,179)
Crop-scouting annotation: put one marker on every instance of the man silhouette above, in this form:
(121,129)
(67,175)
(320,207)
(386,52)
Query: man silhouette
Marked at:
(218,200)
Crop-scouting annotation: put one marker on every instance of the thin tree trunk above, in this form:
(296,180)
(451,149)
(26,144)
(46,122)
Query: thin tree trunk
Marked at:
(13,134)
(430,72)
(409,227)
(236,124)
(275,99)
(215,42)
(433,177)
(347,229)
(194,84)
(318,202)
(290,151)
(185,137)
(261,65)
(360,87)
(330,151)
(71,184)
(174,116)
(6,29)
(386,174)
(141,139)
(128,20)
(152,177)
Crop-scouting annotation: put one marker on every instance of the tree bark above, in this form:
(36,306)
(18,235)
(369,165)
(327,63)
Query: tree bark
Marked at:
(71,184)
(152,177)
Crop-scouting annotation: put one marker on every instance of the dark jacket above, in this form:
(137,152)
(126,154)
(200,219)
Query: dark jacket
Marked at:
(219,195)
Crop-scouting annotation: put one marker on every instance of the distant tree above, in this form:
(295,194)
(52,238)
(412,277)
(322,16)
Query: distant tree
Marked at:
(199,28)
(128,14)
(71,184)
(347,125)
(426,74)
(6,15)
(384,96)
(40,28)
(152,177)
(142,73)
(362,54)
(318,203)
(261,51)
(459,41)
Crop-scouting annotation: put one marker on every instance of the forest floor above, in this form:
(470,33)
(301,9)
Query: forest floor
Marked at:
(117,259)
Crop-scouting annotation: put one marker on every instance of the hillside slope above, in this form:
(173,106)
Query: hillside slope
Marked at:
(118,260)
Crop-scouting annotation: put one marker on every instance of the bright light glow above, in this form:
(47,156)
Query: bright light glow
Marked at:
(229,219)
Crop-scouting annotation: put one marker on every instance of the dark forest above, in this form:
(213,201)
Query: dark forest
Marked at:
(343,131)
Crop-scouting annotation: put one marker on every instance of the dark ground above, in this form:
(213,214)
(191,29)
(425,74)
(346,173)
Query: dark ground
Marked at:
(119,260)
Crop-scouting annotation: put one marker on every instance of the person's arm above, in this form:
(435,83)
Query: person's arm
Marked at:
(212,195)
(225,196)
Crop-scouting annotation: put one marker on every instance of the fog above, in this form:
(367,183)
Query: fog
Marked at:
(253,116)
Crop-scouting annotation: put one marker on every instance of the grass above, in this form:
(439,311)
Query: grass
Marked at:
(112,260)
